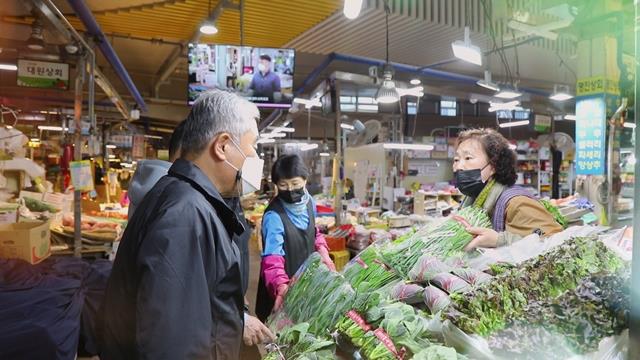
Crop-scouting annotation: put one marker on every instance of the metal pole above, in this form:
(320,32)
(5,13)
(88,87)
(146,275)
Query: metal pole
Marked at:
(105,158)
(634,319)
(77,205)
(337,202)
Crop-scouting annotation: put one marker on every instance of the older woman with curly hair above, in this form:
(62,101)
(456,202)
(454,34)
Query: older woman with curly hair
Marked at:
(485,171)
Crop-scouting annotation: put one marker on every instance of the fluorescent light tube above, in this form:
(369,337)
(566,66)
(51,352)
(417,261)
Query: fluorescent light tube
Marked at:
(8,67)
(514,123)
(307,147)
(397,146)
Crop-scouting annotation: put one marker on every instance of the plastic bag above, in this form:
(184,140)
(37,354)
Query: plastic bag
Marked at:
(465,344)
(472,276)
(450,283)
(527,248)
(426,268)
(436,299)
(407,293)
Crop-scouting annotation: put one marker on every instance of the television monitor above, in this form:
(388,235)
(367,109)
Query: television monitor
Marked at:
(261,75)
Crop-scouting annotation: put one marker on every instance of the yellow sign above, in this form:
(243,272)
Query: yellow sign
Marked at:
(597,85)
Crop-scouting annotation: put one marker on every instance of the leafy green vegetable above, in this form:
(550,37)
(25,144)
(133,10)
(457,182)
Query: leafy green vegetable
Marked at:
(489,307)
(317,296)
(445,240)
(437,352)
(296,343)
(597,308)
(557,215)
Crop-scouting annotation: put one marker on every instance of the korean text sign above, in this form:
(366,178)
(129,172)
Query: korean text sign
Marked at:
(42,74)
(590,135)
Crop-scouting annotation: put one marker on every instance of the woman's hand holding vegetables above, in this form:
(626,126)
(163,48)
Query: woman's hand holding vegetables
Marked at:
(280,294)
(487,238)
(326,259)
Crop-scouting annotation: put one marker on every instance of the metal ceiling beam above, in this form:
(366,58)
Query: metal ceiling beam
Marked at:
(93,28)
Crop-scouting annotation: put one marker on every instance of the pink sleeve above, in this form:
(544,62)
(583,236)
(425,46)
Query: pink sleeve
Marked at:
(273,273)
(321,242)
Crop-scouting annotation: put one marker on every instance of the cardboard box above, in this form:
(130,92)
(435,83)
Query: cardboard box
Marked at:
(29,241)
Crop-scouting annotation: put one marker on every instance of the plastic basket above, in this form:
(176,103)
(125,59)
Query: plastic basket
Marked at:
(340,258)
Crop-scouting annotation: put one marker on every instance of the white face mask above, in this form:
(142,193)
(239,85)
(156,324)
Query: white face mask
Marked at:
(251,172)
(262,68)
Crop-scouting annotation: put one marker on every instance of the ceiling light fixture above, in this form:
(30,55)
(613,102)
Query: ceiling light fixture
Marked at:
(352,8)
(508,93)
(560,93)
(571,117)
(387,93)
(307,147)
(308,103)
(110,146)
(629,125)
(36,39)
(157,137)
(514,123)
(266,141)
(465,50)
(508,106)
(51,128)
(284,129)
(347,126)
(487,83)
(415,82)
(8,67)
(398,146)
(417,91)
(324,154)
(272,135)
(208,27)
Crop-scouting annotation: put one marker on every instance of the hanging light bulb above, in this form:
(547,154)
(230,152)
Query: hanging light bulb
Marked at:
(352,8)
(387,93)
(208,28)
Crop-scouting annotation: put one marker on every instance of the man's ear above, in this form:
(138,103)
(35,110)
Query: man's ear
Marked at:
(219,146)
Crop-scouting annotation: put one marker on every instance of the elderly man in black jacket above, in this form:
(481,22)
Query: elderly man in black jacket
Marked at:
(175,291)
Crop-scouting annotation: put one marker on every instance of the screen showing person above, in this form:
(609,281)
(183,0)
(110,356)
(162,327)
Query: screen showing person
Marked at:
(261,75)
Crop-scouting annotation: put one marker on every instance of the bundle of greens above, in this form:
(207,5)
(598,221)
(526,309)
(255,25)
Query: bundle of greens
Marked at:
(426,268)
(438,352)
(488,307)
(450,283)
(296,343)
(446,240)
(408,330)
(557,215)
(436,299)
(317,296)
(406,292)
(597,308)
(472,276)
(367,267)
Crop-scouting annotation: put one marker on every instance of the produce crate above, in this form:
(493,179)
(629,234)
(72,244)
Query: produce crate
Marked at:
(340,258)
(336,243)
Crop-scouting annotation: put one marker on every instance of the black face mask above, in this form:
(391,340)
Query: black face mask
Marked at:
(291,196)
(469,182)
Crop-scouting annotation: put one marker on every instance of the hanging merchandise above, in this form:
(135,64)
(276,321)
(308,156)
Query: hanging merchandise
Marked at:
(81,175)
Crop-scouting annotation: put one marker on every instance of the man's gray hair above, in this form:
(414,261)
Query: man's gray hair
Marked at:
(216,112)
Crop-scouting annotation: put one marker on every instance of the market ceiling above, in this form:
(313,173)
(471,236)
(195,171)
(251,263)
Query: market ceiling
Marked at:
(147,33)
